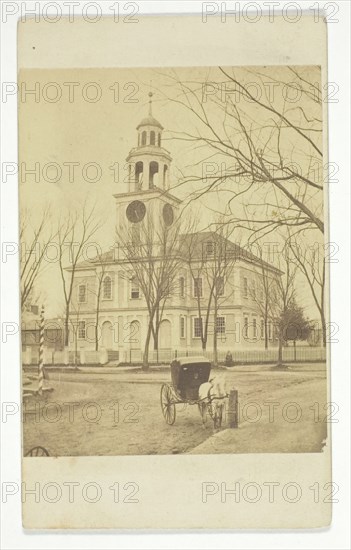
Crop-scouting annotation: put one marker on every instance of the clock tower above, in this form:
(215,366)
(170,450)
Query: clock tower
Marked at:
(148,165)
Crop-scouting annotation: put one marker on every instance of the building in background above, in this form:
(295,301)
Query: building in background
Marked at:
(234,321)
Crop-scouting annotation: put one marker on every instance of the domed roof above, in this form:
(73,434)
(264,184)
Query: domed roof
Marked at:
(150,121)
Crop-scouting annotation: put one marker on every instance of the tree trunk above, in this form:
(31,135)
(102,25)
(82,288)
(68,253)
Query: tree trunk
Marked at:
(155,341)
(280,350)
(265,333)
(146,349)
(67,326)
(215,350)
(215,340)
(97,318)
(155,335)
(97,330)
(76,348)
(324,330)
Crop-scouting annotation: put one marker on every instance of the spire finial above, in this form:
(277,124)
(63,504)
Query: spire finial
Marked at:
(150,103)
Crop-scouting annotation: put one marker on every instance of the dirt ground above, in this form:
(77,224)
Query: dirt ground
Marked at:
(117,412)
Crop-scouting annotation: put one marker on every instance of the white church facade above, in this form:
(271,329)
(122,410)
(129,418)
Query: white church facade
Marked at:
(123,316)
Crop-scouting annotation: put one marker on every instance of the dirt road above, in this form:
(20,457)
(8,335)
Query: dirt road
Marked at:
(119,414)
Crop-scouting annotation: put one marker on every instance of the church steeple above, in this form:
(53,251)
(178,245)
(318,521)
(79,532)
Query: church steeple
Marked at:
(149,162)
(148,196)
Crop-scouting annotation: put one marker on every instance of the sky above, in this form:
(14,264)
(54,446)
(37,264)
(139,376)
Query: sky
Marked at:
(89,116)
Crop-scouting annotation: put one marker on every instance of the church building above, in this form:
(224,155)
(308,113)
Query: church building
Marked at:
(103,291)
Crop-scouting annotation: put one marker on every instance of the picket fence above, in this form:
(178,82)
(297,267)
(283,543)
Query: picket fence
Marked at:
(84,357)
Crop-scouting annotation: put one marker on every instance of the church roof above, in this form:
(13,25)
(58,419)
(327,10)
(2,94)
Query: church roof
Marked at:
(150,121)
(196,243)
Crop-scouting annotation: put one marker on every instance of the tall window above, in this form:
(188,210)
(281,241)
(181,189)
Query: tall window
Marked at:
(82,294)
(254,328)
(181,287)
(254,289)
(107,288)
(153,174)
(182,327)
(165,171)
(81,330)
(220,286)
(246,327)
(197,327)
(152,138)
(262,328)
(245,287)
(198,287)
(159,140)
(134,292)
(220,325)
(270,330)
(139,168)
(143,138)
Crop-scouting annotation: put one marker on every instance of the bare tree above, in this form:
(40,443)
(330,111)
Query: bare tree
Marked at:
(310,260)
(219,270)
(152,256)
(210,257)
(264,295)
(74,233)
(34,242)
(265,127)
(284,299)
(193,249)
(100,264)
(74,321)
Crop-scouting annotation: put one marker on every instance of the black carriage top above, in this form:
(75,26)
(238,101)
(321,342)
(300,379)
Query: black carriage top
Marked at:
(188,373)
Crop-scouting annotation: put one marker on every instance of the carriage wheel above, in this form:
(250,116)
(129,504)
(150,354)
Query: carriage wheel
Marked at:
(38,451)
(167,405)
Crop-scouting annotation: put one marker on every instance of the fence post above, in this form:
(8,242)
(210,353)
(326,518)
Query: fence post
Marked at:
(233,406)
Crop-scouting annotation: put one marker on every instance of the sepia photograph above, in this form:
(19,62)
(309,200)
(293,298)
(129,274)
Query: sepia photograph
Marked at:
(174,264)
(175,221)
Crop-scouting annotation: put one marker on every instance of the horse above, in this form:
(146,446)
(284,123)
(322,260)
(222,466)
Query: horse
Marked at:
(212,399)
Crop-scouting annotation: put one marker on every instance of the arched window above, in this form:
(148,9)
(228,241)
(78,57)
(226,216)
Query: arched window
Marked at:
(181,287)
(139,169)
(159,140)
(153,173)
(143,138)
(152,138)
(107,288)
(165,175)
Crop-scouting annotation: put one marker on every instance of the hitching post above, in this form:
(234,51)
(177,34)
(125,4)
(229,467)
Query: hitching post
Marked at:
(233,417)
(41,353)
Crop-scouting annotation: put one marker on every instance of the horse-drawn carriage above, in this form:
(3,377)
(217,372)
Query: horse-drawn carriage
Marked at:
(191,384)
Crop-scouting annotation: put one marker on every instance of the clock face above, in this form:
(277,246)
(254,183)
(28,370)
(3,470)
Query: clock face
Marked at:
(168,214)
(136,211)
